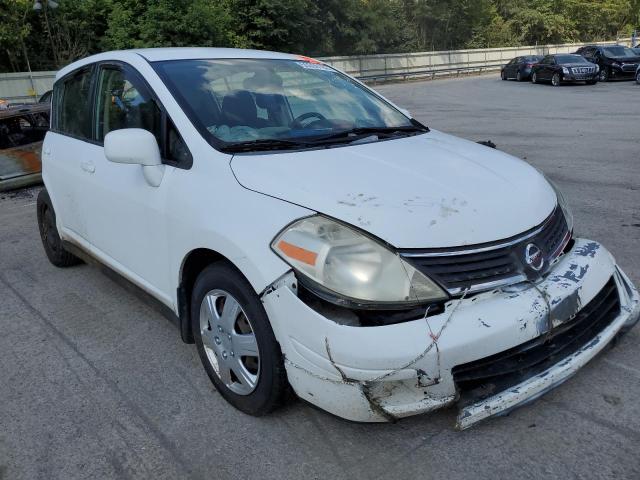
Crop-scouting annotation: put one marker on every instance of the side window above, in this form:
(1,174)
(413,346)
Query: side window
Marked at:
(74,108)
(123,102)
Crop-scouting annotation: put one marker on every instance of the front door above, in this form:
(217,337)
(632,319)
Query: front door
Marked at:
(127,224)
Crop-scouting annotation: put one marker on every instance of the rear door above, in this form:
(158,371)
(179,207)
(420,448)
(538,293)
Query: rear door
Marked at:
(68,151)
(513,68)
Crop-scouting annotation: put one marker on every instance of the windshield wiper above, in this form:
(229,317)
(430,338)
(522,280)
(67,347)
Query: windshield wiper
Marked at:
(357,133)
(264,144)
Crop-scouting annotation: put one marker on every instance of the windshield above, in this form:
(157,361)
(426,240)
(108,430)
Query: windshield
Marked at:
(619,52)
(266,102)
(570,59)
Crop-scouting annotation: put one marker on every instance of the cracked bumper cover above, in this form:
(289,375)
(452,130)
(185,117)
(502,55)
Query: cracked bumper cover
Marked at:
(377,374)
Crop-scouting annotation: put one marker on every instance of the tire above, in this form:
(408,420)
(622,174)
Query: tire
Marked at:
(638,77)
(49,235)
(555,80)
(261,385)
(534,77)
(519,76)
(604,75)
(503,76)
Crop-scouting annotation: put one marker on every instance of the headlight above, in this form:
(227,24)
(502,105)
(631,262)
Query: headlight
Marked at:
(335,260)
(566,71)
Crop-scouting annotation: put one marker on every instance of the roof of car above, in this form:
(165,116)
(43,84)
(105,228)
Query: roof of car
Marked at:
(183,53)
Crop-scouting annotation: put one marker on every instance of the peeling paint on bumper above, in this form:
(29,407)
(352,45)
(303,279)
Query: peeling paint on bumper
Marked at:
(380,374)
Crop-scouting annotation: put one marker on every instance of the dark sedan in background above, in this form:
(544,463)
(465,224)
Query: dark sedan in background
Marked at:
(562,68)
(519,68)
(615,61)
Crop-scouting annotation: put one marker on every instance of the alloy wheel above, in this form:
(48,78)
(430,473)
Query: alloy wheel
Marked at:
(638,78)
(229,342)
(534,77)
(519,77)
(555,80)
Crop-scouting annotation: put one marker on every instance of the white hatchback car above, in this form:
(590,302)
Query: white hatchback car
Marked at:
(306,232)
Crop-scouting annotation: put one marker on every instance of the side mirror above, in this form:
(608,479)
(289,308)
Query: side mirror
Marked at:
(136,146)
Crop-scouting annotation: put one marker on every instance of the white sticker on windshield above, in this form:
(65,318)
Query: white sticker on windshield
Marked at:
(315,66)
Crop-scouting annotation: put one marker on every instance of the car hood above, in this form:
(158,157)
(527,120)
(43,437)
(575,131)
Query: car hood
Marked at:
(426,191)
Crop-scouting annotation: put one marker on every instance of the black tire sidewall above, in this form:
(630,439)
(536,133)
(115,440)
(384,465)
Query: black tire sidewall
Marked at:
(272,382)
(58,256)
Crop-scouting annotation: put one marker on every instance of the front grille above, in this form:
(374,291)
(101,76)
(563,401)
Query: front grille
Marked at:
(483,378)
(486,266)
(583,69)
(629,67)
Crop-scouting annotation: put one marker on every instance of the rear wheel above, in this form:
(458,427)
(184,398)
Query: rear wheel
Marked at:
(235,342)
(519,76)
(503,75)
(555,80)
(534,77)
(51,241)
(638,77)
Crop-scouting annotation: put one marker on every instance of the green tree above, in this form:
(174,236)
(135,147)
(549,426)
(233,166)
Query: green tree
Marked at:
(14,29)
(164,23)
(284,25)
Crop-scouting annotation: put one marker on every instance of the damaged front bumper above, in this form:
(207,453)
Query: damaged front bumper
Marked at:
(377,374)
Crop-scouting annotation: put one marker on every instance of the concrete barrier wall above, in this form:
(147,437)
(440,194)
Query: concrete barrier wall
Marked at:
(27,87)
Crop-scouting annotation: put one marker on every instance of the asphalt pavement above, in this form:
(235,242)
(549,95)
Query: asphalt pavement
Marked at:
(95,383)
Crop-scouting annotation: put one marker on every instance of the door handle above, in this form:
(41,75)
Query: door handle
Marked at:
(88,166)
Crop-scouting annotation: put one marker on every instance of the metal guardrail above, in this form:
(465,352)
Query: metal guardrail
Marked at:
(424,64)
(433,73)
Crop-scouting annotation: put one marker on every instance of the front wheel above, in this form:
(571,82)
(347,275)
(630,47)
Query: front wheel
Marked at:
(638,77)
(555,80)
(503,75)
(604,75)
(235,342)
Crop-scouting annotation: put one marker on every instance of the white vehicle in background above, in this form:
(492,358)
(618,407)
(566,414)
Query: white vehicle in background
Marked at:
(306,232)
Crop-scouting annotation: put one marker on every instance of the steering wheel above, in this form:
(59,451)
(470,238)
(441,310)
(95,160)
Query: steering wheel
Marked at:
(297,122)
